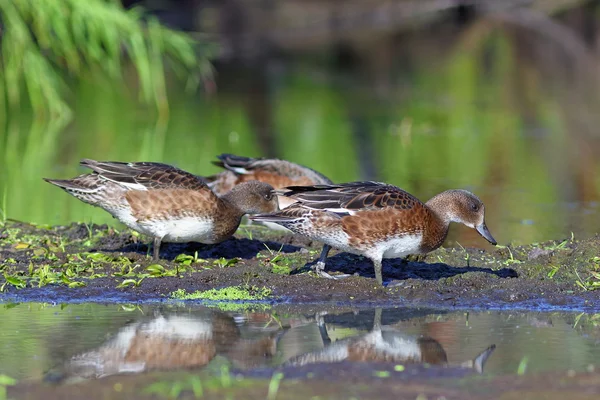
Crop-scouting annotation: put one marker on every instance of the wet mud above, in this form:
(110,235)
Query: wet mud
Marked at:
(45,264)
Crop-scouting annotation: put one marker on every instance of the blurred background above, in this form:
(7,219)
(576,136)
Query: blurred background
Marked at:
(497,97)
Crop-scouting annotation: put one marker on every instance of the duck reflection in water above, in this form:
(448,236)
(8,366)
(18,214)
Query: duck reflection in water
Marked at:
(170,342)
(386,344)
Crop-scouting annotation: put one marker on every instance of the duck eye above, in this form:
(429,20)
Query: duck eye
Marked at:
(269,196)
(474,207)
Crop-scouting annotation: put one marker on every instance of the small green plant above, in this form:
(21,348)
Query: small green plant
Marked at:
(592,282)
(553,270)
(467,255)
(132,282)
(512,259)
(247,232)
(224,262)
(126,271)
(277,261)
(157,270)
(187,260)
(90,230)
(14,281)
(70,283)
(562,245)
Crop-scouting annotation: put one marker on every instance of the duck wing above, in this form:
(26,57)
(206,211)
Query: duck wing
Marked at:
(348,198)
(245,165)
(145,175)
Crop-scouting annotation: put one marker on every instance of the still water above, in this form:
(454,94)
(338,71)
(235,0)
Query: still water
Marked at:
(70,342)
(507,116)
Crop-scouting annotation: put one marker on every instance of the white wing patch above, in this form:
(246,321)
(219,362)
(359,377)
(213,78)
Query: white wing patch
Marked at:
(341,211)
(130,186)
(239,170)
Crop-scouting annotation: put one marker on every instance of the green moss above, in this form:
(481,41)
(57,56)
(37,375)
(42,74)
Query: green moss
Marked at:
(241,292)
(281,269)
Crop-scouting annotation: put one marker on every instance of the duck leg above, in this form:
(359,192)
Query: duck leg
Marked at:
(378,266)
(320,265)
(156,248)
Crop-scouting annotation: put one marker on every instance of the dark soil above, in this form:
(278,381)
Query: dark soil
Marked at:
(537,276)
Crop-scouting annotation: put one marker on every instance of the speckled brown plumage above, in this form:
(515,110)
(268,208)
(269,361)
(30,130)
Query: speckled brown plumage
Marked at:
(277,173)
(376,219)
(167,203)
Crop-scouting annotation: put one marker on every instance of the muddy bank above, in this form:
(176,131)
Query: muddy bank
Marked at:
(80,263)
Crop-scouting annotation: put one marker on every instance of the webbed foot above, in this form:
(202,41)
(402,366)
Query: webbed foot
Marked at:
(320,271)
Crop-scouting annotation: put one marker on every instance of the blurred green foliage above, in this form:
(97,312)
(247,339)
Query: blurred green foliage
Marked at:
(46,42)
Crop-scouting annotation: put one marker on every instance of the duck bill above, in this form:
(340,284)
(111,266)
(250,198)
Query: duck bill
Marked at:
(483,231)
